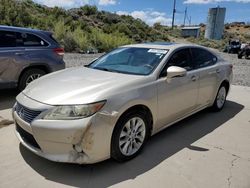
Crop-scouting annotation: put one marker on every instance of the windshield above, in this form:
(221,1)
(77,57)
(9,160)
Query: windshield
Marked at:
(139,61)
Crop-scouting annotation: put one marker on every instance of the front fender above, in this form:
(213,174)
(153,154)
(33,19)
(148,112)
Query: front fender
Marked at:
(119,103)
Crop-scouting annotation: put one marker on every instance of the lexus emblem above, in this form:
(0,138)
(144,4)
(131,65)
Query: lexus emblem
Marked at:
(21,113)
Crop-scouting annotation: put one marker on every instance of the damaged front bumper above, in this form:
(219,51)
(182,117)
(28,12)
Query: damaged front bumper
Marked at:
(82,141)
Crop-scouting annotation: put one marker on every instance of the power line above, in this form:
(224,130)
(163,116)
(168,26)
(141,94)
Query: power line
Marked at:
(174,10)
(185,16)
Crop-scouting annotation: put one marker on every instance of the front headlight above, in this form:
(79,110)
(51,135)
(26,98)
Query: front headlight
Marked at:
(72,112)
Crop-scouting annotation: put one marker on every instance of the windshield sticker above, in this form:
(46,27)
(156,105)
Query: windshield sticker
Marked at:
(157,51)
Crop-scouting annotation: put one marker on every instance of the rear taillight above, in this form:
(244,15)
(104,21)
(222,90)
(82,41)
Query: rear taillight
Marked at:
(59,51)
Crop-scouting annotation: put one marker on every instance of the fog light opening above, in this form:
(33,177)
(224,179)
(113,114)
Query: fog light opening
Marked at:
(78,148)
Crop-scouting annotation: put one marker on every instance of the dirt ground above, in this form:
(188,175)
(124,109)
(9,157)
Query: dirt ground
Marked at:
(205,150)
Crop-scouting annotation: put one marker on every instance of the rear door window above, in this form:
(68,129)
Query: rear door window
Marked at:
(7,39)
(203,58)
(181,58)
(29,40)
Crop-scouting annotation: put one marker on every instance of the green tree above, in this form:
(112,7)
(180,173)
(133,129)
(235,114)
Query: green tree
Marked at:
(82,28)
(81,39)
(60,30)
(89,10)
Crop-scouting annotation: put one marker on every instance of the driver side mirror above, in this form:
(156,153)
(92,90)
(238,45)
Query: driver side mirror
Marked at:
(175,71)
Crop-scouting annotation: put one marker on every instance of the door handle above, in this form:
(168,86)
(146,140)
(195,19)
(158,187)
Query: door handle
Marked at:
(194,78)
(217,71)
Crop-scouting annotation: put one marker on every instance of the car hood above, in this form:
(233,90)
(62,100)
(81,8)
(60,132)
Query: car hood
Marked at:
(77,86)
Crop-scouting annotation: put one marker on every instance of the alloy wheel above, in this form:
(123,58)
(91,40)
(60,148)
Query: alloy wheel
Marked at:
(221,97)
(32,77)
(132,136)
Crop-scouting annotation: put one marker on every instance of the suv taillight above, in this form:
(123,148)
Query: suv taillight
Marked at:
(59,51)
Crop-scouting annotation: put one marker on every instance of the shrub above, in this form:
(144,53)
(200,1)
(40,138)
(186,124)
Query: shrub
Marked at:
(69,43)
(247,36)
(81,39)
(60,30)
(105,42)
(89,10)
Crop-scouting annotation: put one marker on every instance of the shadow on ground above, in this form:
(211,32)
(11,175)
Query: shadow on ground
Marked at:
(7,98)
(159,148)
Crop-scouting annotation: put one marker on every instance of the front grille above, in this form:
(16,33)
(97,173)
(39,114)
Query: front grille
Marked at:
(25,113)
(27,137)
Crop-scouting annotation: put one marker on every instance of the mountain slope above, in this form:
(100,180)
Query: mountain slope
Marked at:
(80,28)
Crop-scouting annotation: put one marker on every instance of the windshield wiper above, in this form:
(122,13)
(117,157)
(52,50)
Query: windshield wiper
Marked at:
(105,69)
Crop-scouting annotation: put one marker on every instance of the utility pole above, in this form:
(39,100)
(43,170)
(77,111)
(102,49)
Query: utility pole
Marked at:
(185,16)
(174,10)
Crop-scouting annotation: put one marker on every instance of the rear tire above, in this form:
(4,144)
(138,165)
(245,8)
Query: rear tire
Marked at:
(28,76)
(129,136)
(220,99)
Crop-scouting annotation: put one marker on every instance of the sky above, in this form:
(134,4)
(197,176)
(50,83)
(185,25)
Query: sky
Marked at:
(152,11)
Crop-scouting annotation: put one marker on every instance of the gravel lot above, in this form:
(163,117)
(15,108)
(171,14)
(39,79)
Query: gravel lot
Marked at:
(241,69)
(241,66)
(75,59)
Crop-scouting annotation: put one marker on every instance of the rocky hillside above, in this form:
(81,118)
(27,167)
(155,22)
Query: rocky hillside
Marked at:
(81,28)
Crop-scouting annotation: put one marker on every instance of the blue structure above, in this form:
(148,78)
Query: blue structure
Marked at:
(190,32)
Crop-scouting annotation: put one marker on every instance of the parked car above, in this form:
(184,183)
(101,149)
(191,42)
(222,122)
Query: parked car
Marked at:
(233,46)
(27,54)
(111,107)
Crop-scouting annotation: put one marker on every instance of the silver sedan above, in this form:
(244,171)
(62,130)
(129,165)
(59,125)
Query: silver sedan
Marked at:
(111,107)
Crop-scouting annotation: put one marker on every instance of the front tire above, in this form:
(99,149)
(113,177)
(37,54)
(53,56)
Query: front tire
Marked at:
(220,99)
(129,136)
(29,76)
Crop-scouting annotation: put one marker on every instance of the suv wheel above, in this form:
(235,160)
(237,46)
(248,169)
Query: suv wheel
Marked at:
(29,76)
(129,136)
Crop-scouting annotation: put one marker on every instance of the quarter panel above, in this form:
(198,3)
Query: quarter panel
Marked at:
(226,74)
(208,84)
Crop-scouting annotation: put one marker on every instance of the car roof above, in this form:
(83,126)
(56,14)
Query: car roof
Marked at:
(161,45)
(171,46)
(22,29)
